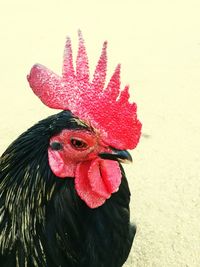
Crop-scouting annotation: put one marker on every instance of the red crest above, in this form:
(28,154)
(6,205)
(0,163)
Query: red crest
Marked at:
(106,109)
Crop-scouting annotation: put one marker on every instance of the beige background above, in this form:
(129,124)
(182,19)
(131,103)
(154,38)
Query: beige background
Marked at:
(158,44)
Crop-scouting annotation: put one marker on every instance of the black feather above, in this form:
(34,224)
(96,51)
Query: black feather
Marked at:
(43,222)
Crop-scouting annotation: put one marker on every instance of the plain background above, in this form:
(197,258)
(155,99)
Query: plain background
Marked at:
(158,44)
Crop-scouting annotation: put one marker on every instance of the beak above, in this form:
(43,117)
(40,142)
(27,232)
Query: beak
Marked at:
(122,156)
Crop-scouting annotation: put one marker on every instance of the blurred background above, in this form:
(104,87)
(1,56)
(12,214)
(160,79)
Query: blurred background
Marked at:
(158,44)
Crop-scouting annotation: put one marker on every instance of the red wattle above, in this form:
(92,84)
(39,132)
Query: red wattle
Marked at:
(96,180)
(111,175)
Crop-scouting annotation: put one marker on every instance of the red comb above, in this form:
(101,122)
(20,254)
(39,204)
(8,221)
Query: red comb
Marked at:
(107,110)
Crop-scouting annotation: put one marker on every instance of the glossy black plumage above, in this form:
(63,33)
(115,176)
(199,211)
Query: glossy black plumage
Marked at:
(43,222)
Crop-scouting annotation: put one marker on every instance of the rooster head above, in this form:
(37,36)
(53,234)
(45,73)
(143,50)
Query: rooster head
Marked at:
(92,154)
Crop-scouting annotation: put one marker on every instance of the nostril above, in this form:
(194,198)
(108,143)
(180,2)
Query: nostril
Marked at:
(56,146)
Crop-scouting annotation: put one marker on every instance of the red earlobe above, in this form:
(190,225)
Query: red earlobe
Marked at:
(58,165)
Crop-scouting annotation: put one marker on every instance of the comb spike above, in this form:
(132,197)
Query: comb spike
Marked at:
(82,69)
(113,86)
(100,71)
(124,96)
(68,69)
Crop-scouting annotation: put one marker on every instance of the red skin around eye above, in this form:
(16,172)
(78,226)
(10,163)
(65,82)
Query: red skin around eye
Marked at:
(95,179)
(63,162)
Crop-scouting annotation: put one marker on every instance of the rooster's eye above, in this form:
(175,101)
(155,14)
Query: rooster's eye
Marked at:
(78,144)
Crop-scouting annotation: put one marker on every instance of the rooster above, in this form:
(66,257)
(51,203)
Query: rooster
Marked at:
(64,196)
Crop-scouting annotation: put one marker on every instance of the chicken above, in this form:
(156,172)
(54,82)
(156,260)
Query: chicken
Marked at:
(64,196)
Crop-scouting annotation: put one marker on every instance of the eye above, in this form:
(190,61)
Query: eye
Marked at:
(78,144)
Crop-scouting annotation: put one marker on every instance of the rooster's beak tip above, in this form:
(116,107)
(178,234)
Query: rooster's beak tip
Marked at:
(122,156)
